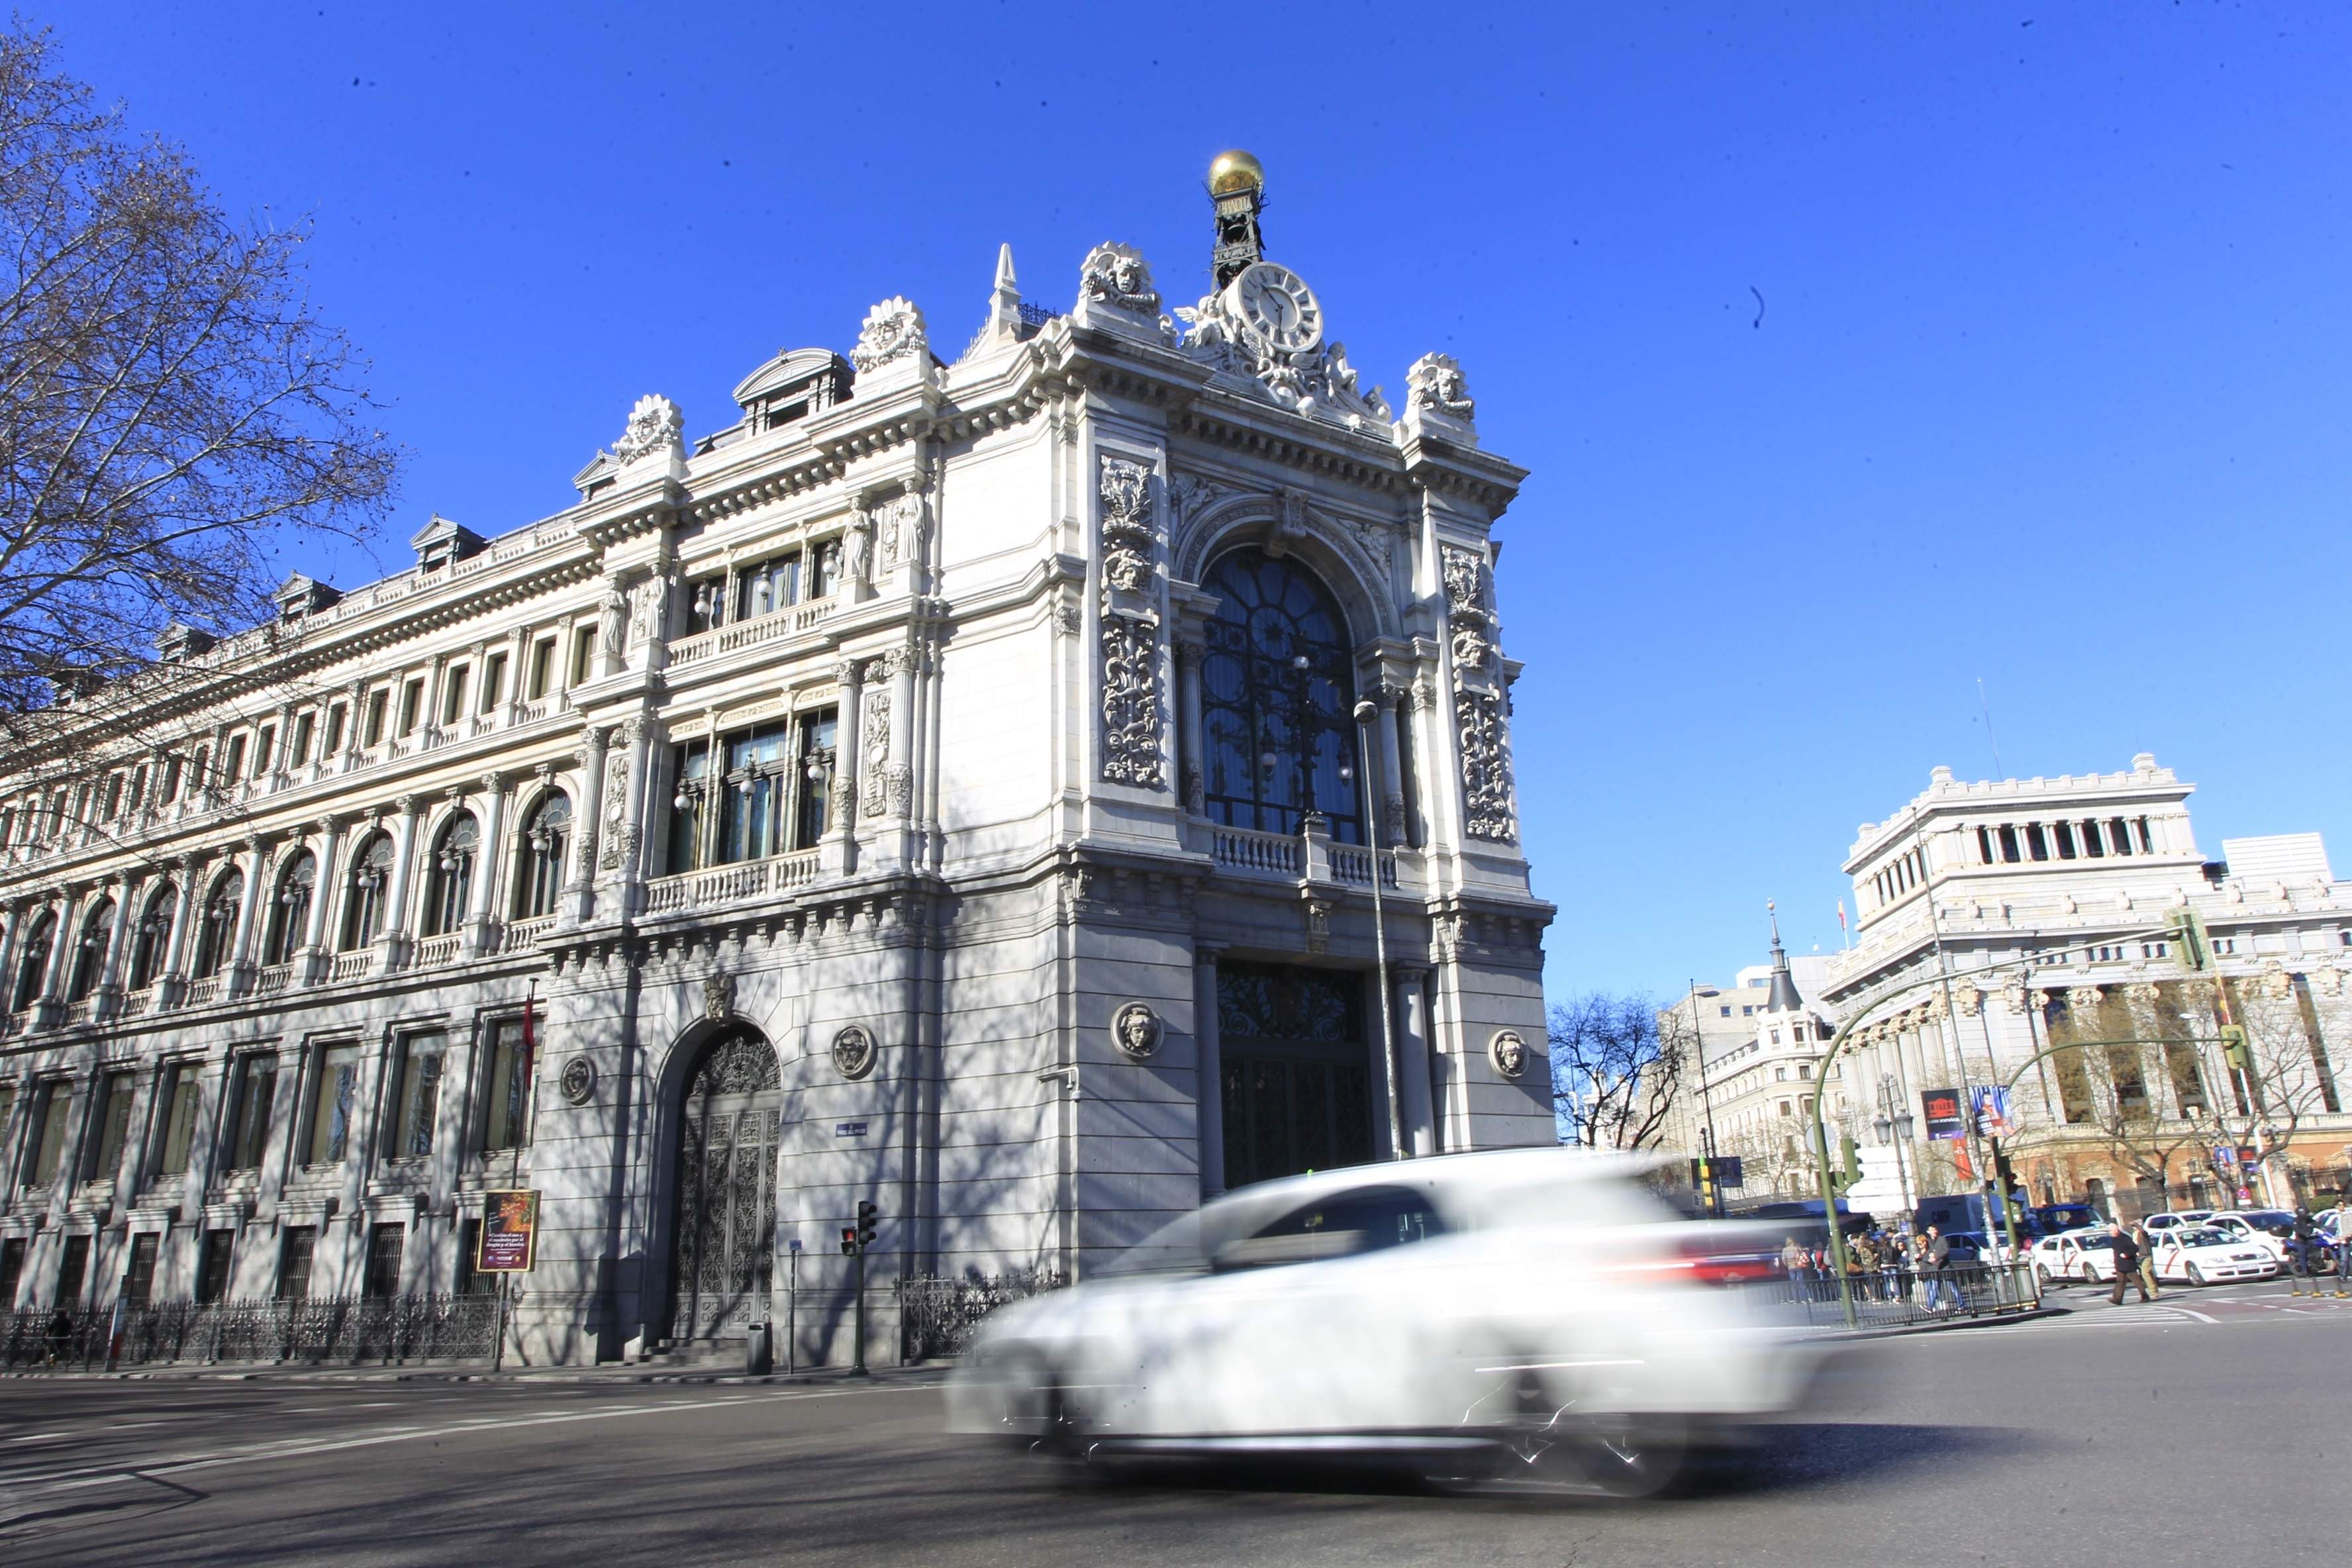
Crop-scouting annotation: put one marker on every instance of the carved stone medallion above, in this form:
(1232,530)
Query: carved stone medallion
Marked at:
(854,1052)
(1509,1052)
(1136,1028)
(578,1080)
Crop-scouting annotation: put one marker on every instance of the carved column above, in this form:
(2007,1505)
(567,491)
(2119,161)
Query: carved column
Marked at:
(839,854)
(1193,764)
(1392,793)
(110,979)
(627,788)
(1412,1060)
(1210,1096)
(11,941)
(579,903)
(489,859)
(518,672)
(314,963)
(1134,740)
(186,870)
(899,774)
(240,963)
(393,935)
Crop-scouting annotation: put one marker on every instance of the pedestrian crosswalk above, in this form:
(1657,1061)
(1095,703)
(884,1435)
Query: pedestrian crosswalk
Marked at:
(2090,1314)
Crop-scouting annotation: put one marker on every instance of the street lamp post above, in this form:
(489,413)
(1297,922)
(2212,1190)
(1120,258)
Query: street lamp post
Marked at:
(1365,712)
(1705,1100)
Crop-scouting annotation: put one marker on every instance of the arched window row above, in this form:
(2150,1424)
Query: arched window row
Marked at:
(357,911)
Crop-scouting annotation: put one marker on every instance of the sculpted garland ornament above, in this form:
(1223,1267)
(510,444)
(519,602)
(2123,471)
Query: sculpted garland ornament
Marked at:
(893,330)
(1132,741)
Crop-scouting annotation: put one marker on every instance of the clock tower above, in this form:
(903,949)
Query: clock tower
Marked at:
(1237,186)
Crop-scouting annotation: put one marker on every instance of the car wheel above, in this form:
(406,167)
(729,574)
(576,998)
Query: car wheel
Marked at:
(1037,1411)
(2043,1274)
(2196,1275)
(1543,1446)
(1635,1456)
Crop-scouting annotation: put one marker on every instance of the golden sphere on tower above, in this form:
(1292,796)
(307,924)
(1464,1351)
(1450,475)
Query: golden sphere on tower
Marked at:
(1235,171)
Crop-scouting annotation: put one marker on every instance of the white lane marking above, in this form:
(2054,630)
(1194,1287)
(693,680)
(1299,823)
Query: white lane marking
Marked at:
(377,1404)
(38,1436)
(2201,1317)
(96,1475)
(128,1426)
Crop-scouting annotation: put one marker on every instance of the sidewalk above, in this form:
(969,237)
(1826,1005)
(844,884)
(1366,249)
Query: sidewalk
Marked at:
(610,1372)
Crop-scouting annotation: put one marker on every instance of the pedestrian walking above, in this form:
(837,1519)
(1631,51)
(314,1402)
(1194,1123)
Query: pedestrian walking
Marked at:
(1939,1272)
(2147,1244)
(60,1335)
(2306,1231)
(2126,1255)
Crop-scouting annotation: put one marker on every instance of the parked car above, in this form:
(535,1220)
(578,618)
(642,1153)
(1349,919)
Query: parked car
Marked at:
(2086,1254)
(2270,1229)
(2204,1255)
(2176,1219)
(1534,1313)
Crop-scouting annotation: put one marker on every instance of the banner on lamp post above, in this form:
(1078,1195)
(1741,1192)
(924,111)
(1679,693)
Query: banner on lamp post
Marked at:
(1990,1104)
(1942,1115)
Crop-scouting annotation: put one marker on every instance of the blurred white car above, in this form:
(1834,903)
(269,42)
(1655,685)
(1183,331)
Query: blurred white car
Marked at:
(1534,1314)
(2204,1255)
(2177,1219)
(2087,1255)
(2272,1230)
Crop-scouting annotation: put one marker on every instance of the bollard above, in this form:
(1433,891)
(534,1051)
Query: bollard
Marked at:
(759,1359)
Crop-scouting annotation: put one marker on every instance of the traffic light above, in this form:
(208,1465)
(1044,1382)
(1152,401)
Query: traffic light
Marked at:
(2233,1046)
(2188,944)
(866,1215)
(1848,1170)
(848,1241)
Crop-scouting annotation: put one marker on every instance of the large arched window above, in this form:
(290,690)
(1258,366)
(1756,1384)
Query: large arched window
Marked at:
(450,880)
(217,934)
(1277,689)
(544,841)
(34,965)
(290,911)
(90,961)
(371,885)
(152,943)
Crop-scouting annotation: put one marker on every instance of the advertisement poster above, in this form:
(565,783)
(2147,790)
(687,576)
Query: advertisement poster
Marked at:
(1943,1114)
(509,1232)
(1992,1107)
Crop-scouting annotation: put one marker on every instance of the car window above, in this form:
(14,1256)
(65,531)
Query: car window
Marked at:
(2207,1238)
(1345,1225)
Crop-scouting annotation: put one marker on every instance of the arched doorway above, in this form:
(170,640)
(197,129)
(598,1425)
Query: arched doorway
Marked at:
(723,1230)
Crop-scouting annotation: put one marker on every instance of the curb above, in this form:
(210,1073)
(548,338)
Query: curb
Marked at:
(1979,1320)
(582,1376)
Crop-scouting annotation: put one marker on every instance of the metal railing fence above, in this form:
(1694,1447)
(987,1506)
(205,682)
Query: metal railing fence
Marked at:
(938,1317)
(345,1328)
(1890,1296)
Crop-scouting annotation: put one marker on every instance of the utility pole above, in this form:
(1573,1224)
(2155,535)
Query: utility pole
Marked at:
(1365,712)
(1707,1171)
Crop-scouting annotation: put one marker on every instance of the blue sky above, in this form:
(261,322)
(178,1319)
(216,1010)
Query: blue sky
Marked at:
(2049,387)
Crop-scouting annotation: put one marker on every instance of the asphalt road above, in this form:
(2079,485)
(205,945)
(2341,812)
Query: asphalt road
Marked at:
(2208,1428)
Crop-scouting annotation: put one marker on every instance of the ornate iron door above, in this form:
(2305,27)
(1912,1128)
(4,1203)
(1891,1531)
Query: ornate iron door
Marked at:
(725,1237)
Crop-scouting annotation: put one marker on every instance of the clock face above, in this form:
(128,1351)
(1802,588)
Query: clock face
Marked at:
(1278,307)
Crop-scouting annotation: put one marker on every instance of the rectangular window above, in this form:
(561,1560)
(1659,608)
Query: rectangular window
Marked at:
(114,795)
(463,1279)
(542,667)
(412,707)
(2009,844)
(453,693)
(265,747)
(248,1125)
(139,1277)
(816,745)
(506,1085)
(2091,844)
(303,726)
(335,741)
(1786,1110)
(73,1270)
(2064,834)
(584,648)
(1804,1070)
(334,1106)
(1984,847)
(50,1147)
(378,701)
(420,1094)
(7,1107)
(170,778)
(2037,847)
(236,768)
(212,1260)
(12,1271)
(494,680)
(385,1243)
(294,1262)
(180,1092)
(113,1124)
(823,569)
(1726,1009)
(706,604)
(2147,841)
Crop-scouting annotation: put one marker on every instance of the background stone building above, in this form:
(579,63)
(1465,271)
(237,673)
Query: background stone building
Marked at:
(2049,899)
(966,782)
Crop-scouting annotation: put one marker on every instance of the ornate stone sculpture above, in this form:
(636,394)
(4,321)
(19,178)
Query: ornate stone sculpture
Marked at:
(1434,384)
(655,425)
(853,1051)
(875,724)
(646,602)
(578,1081)
(1137,1029)
(1302,371)
(1470,623)
(616,807)
(1509,1052)
(1490,805)
(893,330)
(1117,276)
(1131,629)
(717,996)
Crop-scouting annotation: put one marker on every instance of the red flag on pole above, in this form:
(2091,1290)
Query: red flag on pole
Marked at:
(1961,1158)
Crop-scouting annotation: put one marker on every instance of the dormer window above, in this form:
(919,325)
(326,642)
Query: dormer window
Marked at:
(442,542)
(177,644)
(791,386)
(301,598)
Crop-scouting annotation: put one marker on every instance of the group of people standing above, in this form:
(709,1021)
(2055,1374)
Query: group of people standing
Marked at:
(1886,1263)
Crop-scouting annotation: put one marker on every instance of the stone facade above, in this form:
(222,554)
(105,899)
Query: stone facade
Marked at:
(855,796)
(2052,898)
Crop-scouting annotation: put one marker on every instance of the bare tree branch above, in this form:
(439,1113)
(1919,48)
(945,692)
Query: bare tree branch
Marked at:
(1616,1067)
